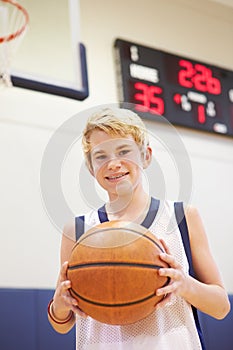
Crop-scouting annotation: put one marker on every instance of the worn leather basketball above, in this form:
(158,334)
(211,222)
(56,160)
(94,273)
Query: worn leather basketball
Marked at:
(113,269)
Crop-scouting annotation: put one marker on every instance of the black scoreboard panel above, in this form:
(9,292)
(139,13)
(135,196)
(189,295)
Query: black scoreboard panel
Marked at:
(186,92)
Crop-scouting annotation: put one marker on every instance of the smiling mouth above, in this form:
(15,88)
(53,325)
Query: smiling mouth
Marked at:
(116,177)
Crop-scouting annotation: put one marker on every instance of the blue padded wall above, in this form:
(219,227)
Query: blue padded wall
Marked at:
(17,320)
(24,324)
(218,334)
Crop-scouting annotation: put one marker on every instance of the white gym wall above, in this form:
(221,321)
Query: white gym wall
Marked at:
(200,29)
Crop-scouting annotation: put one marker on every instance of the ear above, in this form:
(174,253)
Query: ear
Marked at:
(147,157)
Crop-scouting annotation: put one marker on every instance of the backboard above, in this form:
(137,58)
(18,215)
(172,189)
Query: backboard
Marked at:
(51,57)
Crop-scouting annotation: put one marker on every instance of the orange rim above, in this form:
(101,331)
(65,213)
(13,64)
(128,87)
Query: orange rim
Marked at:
(20,30)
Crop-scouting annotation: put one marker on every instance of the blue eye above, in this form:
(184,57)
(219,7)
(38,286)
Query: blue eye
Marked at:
(100,157)
(124,152)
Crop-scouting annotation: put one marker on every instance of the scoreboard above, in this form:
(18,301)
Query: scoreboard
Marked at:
(184,91)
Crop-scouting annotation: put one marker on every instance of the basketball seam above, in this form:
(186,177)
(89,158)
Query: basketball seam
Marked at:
(115,304)
(118,304)
(116,229)
(107,263)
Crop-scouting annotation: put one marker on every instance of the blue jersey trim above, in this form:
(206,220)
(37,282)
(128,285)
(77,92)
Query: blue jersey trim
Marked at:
(147,222)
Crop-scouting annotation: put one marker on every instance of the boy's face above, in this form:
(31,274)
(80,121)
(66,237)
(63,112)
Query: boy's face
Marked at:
(117,163)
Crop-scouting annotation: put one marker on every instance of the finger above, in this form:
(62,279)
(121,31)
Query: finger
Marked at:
(164,290)
(170,260)
(65,286)
(165,246)
(79,312)
(63,273)
(174,274)
(170,288)
(166,299)
(69,302)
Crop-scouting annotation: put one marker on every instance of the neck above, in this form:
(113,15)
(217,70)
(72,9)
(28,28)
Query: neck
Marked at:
(131,207)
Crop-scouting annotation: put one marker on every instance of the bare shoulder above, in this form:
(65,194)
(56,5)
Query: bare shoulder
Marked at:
(194,222)
(191,212)
(68,240)
(197,233)
(69,230)
(203,261)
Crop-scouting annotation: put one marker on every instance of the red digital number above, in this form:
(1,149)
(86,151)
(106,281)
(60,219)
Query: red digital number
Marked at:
(205,81)
(185,75)
(201,114)
(199,77)
(149,101)
(214,86)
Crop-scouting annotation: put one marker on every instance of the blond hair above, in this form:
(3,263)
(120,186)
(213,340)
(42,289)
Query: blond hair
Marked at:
(114,121)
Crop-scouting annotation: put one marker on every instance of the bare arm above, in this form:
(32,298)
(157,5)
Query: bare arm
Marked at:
(64,306)
(206,292)
(209,294)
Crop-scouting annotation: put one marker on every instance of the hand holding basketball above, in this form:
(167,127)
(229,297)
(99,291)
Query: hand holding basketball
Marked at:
(63,301)
(178,280)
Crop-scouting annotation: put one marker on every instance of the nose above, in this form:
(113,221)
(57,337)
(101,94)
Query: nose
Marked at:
(114,163)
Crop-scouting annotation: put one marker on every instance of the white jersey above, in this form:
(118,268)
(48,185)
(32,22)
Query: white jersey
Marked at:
(170,328)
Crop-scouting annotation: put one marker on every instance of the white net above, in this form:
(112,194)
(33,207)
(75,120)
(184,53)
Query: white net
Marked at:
(13,23)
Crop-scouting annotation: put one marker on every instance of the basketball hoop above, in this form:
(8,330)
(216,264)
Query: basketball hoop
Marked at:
(13,23)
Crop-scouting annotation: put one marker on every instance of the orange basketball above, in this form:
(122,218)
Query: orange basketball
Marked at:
(113,269)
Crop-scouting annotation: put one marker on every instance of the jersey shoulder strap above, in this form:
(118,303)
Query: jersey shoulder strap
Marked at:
(182,224)
(79,226)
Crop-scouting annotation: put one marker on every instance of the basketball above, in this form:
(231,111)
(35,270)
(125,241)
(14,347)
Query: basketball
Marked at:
(113,269)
